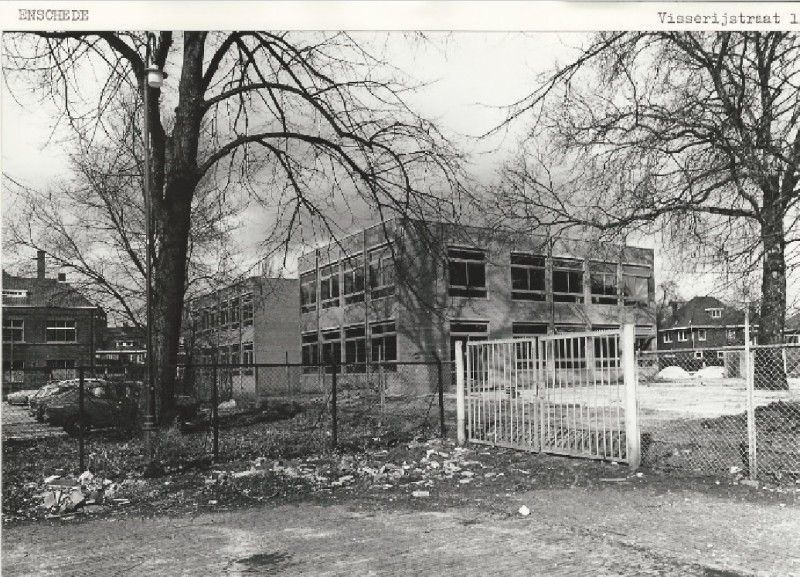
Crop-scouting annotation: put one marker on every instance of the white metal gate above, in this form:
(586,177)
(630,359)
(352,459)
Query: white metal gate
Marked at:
(572,394)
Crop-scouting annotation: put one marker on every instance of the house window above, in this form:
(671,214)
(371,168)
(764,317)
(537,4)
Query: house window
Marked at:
(715,313)
(467,331)
(308,292)
(701,334)
(247,309)
(682,338)
(636,285)
(212,317)
(61,331)
(355,348)
(61,369)
(381,272)
(603,280)
(15,294)
(526,330)
(567,280)
(731,334)
(223,314)
(329,286)
(13,330)
(310,351)
(331,347)
(353,280)
(235,312)
(383,341)
(467,272)
(248,358)
(720,354)
(667,338)
(527,277)
(698,354)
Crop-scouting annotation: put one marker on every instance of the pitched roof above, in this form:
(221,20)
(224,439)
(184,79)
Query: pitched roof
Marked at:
(793,323)
(696,312)
(45,292)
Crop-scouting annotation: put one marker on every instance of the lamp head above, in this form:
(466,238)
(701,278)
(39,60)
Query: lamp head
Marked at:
(155,77)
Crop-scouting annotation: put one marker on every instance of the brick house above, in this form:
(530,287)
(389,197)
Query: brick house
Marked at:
(122,351)
(405,290)
(49,329)
(699,329)
(255,321)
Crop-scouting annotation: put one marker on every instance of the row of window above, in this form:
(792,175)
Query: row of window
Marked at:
(683,336)
(56,331)
(229,354)
(348,345)
(227,314)
(344,281)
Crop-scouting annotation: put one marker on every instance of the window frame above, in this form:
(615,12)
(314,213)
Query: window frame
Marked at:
(308,291)
(309,347)
(602,270)
(667,338)
(530,269)
(353,274)
(355,341)
(383,332)
(381,272)
(682,333)
(639,272)
(12,330)
(702,335)
(49,326)
(698,355)
(568,266)
(248,310)
(472,260)
(329,285)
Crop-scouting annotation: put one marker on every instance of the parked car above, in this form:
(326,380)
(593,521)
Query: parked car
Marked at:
(20,397)
(105,404)
(38,403)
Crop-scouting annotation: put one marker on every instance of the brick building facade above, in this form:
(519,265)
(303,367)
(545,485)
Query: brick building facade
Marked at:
(407,291)
(49,329)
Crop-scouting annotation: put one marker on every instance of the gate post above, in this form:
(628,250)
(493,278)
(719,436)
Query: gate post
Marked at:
(632,439)
(460,394)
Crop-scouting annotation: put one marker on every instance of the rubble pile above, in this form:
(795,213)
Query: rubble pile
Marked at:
(88,493)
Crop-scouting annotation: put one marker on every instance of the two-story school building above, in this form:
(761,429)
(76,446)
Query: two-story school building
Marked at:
(406,290)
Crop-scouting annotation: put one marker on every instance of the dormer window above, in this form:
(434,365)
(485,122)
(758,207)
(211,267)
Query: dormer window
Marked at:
(715,313)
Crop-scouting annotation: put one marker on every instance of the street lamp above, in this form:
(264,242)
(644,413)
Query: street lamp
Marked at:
(154,78)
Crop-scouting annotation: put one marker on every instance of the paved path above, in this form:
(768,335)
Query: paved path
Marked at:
(18,424)
(570,532)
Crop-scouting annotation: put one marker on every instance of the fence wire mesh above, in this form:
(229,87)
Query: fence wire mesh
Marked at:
(722,412)
(223,412)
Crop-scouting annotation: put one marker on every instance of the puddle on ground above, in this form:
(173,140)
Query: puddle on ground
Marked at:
(258,563)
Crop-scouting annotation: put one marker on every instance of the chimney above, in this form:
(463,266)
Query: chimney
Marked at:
(40,264)
(674,305)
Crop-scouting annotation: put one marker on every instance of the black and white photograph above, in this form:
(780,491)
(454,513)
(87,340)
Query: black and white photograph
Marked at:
(400,288)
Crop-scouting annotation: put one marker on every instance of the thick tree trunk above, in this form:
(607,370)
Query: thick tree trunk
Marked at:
(769,371)
(173,215)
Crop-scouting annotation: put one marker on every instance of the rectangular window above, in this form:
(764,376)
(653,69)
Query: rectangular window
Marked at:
(329,286)
(715,313)
(603,280)
(331,347)
(667,338)
(467,272)
(720,354)
(682,338)
(731,334)
(381,273)
(223,314)
(13,330)
(235,312)
(701,334)
(383,338)
(636,285)
(525,330)
(15,293)
(698,354)
(61,369)
(355,348)
(310,352)
(212,317)
(248,358)
(567,280)
(61,331)
(353,273)
(528,277)
(467,331)
(308,292)
(247,309)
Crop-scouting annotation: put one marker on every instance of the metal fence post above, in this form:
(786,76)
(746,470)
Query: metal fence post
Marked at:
(441,397)
(334,423)
(81,421)
(632,433)
(214,410)
(460,394)
(751,410)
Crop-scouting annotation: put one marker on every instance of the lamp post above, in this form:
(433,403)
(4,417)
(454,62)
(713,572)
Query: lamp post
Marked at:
(154,78)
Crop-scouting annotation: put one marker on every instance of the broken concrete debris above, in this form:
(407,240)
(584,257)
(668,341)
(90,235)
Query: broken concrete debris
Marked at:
(65,494)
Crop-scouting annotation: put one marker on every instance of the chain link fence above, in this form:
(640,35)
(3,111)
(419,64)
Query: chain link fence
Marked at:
(722,412)
(90,418)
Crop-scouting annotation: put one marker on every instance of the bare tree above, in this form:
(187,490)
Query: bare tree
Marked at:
(694,136)
(298,122)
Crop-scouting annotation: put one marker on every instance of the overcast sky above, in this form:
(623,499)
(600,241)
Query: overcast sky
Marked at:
(472,75)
